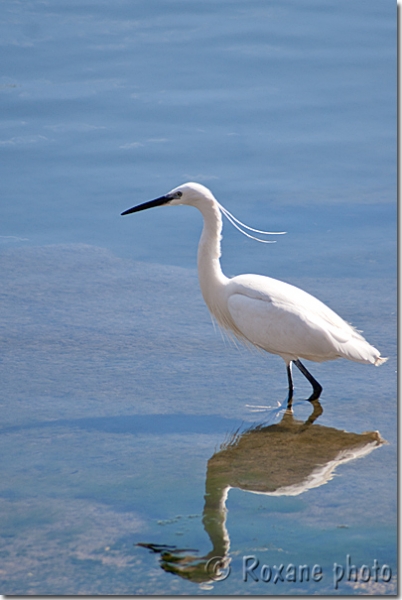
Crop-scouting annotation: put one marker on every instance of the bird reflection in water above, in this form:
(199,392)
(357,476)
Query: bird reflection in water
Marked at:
(284,459)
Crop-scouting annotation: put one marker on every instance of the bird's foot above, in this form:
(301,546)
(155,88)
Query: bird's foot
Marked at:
(317,389)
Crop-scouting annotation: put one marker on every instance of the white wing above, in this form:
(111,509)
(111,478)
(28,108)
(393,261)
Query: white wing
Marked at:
(285,320)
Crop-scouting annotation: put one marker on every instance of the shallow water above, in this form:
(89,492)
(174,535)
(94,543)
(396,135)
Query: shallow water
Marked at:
(121,405)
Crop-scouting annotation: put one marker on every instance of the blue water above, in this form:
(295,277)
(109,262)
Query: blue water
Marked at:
(116,390)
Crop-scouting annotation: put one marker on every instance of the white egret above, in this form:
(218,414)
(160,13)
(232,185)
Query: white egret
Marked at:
(269,314)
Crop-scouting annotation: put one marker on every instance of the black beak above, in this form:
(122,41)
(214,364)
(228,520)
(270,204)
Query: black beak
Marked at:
(158,202)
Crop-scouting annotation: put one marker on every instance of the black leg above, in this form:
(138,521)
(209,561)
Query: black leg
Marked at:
(317,388)
(290,382)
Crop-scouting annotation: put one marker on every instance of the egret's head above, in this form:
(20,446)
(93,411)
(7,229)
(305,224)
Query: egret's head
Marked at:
(188,193)
(198,195)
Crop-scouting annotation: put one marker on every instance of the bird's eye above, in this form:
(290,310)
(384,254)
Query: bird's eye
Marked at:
(179,194)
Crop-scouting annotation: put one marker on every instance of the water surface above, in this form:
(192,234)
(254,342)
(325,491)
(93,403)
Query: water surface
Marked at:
(120,402)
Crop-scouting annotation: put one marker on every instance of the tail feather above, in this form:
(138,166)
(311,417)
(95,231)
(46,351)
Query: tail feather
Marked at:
(380,360)
(361,351)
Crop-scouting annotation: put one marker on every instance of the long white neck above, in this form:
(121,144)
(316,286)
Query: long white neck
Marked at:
(212,280)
